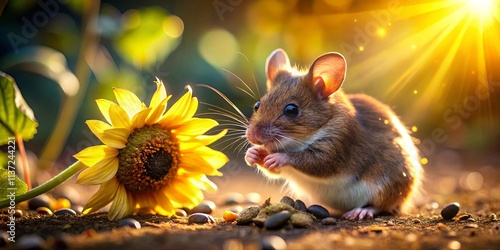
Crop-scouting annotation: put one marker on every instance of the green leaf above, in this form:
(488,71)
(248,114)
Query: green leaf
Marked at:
(3,160)
(16,117)
(11,184)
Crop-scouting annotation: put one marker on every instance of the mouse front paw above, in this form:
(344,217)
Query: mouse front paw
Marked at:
(360,213)
(255,155)
(274,162)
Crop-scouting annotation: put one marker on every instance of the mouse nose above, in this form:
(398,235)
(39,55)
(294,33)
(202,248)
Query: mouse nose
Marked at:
(253,136)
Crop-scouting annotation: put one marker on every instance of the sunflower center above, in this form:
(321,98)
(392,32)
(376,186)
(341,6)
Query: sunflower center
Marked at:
(149,161)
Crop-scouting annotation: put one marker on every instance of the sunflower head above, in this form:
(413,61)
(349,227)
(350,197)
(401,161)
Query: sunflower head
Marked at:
(151,157)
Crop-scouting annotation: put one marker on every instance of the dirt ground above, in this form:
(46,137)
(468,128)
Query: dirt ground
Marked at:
(476,186)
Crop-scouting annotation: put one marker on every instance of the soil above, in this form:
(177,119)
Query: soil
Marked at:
(473,228)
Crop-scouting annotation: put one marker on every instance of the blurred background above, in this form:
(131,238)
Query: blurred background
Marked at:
(437,63)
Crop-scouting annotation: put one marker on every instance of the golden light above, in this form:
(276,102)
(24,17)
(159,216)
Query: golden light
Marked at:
(482,8)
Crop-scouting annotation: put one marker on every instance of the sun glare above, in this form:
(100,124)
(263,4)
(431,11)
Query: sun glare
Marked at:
(483,8)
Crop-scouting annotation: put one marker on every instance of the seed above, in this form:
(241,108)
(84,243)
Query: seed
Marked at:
(64,211)
(416,221)
(129,222)
(62,203)
(278,220)
(329,221)
(300,205)
(247,215)
(287,200)
(200,218)
(318,211)
(206,207)
(39,201)
(464,217)
(180,212)
(44,210)
(229,216)
(450,211)
(18,213)
(493,217)
(273,242)
(472,225)
(301,220)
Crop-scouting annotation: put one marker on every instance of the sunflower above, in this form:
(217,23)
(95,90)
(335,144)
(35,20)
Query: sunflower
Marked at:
(150,159)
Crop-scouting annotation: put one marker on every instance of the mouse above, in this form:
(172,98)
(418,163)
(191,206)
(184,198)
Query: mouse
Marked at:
(348,152)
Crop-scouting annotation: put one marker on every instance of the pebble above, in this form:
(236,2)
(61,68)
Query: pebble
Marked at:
(247,215)
(18,213)
(78,208)
(30,241)
(472,225)
(277,220)
(180,212)
(287,200)
(493,217)
(318,211)
(64,211)
(442,227)
(416,221)
(253,198)
(44,210)
(390,223)
(329,221)
(233,198)
(129,222)
(273,242)
(300,205)
(450,211)
(206,207)
(301,220)
(200,218)
(39,201)
(229,216)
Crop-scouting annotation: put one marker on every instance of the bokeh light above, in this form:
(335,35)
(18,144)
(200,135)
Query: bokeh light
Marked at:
(218,47)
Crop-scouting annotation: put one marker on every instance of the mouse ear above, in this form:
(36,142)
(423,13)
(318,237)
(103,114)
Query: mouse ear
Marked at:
(278,60)
(328,73)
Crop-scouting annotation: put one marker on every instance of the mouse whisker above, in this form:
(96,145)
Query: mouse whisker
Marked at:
(238,111)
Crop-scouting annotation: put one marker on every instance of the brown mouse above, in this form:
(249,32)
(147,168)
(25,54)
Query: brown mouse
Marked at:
(350,153)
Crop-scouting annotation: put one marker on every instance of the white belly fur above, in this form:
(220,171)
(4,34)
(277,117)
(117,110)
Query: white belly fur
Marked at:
(339,193)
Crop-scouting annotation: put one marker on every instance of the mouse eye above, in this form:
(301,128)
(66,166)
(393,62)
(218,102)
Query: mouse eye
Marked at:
(291,110)
(256,106)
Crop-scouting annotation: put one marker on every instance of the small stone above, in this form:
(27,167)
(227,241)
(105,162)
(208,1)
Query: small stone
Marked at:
(472,225)
(277,220)
(44,210)
(180,212)
(442,227)
(206,207)
(18,213)
(64,211)
(229,216)
(247,215)
(300,205)
(200,218)
(253,198)
(233,198)
(301,220)
(329,221)
(273,242)
(463,217)
(493,217)
(390,223)
(77,208)
(287,200)
(129,222)
(318,211)
(31,242)
(416,221)
(40,201)
(450,211)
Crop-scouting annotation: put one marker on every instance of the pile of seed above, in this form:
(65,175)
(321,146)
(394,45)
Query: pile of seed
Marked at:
(287,212)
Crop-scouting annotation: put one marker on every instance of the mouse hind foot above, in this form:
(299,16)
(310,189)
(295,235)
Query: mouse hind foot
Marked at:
(360,213)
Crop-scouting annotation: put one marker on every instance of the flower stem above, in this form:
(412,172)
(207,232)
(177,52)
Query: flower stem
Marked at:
(49,185)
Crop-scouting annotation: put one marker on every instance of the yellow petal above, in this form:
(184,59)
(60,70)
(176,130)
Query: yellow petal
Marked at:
(97,126)
(94,154)
(115,137)
(202,182)
(196,126)
(123,204)
(157,112)
(180,199)
(182,110)
(118,116)
(104,106)
(196,164)
(128,101)
(163,204)
(215,158)
(145,199)
(139,119)
(187,189)
(209,139)
(99,173)
(102,197)
(159,95)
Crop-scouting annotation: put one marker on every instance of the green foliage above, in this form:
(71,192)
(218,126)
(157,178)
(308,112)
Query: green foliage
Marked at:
(10,183)
(16,117)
